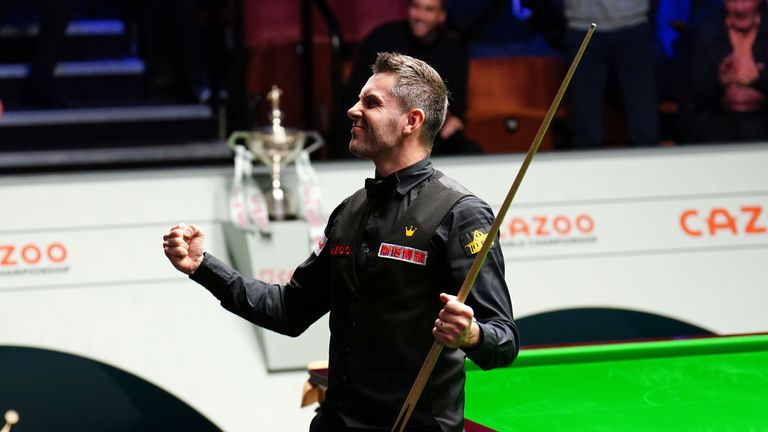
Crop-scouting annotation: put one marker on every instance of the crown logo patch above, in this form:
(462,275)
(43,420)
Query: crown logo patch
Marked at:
(409,231)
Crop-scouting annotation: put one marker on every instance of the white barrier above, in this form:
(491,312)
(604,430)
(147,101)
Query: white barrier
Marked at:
(675,232)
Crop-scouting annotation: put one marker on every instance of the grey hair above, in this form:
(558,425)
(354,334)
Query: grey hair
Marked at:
(417,85)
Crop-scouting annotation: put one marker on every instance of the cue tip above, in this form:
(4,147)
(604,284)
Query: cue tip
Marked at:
(11,417)
(592,26)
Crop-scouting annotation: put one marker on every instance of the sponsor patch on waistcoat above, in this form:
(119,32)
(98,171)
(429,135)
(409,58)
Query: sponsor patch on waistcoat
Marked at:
(341,249)
(403,253)
(410,231)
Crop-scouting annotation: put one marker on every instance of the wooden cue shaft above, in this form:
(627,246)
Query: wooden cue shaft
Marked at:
(437,348)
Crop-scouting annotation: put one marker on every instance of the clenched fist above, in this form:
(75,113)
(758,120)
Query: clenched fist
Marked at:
(183,245)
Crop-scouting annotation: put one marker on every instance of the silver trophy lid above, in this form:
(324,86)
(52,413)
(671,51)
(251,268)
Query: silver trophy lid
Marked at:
(274,139)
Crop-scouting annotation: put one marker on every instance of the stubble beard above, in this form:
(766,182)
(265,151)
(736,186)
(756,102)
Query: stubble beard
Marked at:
(372,143)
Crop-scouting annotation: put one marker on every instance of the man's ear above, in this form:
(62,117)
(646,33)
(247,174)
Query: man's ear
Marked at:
(414,119)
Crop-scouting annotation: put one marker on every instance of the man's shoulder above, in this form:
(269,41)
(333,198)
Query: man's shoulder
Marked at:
(343,205)
(451,38)
(467,202)
(354,198)
(453,185)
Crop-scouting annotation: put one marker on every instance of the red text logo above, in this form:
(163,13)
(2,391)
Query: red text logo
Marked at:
(746,220)
(31,254)
(341,250)
(543,226)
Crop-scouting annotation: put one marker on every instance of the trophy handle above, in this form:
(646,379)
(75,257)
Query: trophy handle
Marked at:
(235,137)
(318,141)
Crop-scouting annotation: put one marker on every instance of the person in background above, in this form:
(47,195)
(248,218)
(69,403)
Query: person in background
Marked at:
(421,35)
(623,45)
(728,80)
(394,256)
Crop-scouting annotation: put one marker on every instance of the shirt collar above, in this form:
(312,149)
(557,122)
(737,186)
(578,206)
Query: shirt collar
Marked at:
(407,178)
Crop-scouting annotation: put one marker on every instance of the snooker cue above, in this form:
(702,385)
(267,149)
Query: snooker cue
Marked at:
(11,418)
(429,363)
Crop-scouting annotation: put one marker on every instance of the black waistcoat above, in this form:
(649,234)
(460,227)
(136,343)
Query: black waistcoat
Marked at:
(382,318)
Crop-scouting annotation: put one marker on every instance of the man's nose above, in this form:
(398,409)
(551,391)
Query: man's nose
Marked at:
(419,14)
(354,111)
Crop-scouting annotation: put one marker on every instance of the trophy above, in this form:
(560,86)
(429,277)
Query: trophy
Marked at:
(276,147)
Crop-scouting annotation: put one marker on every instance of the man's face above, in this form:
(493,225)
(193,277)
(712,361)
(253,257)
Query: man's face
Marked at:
(377,119)
(424,18)
(742,9)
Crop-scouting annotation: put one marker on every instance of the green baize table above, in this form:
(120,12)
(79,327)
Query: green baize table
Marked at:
(702,384)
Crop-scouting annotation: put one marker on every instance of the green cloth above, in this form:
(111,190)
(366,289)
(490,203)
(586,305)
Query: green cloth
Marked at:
(695,384)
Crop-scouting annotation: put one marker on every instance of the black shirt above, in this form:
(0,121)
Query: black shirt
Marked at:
(291,308)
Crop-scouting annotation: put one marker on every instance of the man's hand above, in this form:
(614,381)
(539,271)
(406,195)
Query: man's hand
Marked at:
(183,246)
(747,71)
(726,71)
(454,327)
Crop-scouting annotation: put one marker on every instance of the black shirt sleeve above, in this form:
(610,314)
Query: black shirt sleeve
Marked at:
(489,297)
(287,309)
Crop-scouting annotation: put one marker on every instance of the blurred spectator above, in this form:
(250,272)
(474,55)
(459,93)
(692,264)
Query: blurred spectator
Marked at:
(623,44)
(728,82)
(423,36)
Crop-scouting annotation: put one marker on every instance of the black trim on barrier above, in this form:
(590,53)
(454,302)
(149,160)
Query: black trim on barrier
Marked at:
(54,391)
(587,325)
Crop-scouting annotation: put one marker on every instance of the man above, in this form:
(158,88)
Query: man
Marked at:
(727,80)
(622,45)
(396,254)
(422,35)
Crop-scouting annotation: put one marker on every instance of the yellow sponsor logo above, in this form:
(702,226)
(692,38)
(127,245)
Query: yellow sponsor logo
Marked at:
(478,238)
(409,231)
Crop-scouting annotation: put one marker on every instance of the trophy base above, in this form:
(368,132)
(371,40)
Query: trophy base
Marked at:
(277,217)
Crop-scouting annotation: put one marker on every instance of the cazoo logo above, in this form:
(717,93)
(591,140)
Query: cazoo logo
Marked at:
(545,226)
(748,220)
(33,254)
(545,230)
